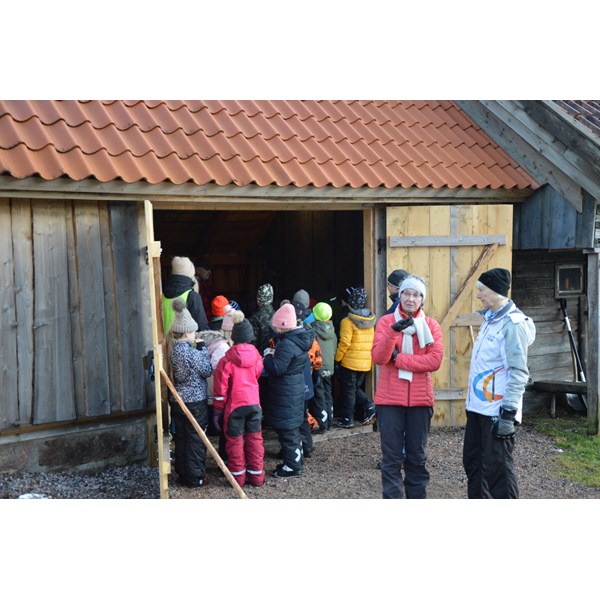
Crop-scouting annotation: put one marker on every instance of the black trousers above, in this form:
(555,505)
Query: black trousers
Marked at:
(190,451)
(317,405)
(352,393)
(404,432)
(488,461)
(327,388)
(291,448)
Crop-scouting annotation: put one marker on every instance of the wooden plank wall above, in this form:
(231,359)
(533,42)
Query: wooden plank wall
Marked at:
(548,221)
(72,299)
(444,269)
(9,411)
(533,292)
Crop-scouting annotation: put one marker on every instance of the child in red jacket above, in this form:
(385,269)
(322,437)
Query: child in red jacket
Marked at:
(237,401)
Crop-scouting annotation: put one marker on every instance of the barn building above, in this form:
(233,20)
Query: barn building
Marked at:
(97,196)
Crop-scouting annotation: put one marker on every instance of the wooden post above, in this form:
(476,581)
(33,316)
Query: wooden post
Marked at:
(593,382)
(153,248)
(371,285)
(203,437)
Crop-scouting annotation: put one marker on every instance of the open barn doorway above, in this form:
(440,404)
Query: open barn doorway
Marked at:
(319,251)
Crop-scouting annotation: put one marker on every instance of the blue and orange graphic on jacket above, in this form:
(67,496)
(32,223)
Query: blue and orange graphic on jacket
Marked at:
(483,385)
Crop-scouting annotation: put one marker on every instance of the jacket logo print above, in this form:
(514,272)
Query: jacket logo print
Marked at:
(482,383)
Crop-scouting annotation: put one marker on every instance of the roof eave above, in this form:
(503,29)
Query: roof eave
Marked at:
(168,193)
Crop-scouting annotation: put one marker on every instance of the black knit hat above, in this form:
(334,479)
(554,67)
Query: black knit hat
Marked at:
(396,277)
(242,333)
(498,280)
(358,298)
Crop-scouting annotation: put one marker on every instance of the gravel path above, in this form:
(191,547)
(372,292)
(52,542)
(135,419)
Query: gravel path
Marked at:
(344,465)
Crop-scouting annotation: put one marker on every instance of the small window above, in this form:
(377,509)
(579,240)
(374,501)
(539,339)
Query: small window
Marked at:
(569,280)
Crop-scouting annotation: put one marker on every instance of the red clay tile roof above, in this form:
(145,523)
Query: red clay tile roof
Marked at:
(297,143)
(587,112)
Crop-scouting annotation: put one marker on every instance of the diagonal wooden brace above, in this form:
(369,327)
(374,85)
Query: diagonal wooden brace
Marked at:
(476,270)
(203,437)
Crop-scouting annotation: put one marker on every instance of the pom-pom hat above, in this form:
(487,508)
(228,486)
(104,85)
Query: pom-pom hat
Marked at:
(182,319)
(284,317)
(227,323)
(497,280)
(242,332)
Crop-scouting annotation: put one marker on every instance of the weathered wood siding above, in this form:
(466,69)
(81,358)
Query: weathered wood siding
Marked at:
(533,291)
(72,302)
(548,221)
(445,268)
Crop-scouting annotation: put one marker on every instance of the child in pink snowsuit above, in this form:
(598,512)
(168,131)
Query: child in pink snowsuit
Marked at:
(237,400)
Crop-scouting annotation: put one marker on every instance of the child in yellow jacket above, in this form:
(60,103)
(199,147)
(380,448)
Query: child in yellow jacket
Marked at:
(353,358)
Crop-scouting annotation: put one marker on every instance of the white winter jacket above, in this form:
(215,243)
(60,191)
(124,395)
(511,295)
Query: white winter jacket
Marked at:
(499,371)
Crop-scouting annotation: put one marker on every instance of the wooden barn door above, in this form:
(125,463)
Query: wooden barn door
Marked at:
(450,246)
(162,451)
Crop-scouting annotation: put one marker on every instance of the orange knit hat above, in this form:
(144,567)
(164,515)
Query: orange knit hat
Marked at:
(217,306)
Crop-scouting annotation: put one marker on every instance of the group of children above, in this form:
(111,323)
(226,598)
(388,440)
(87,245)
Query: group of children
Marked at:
(273,369)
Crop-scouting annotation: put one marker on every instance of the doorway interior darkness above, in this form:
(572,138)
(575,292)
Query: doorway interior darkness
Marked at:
(319,251)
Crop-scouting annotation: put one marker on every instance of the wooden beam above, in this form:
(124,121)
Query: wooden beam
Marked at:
(467,320)
(498,124)
(33,187)
(446,240)
(476,270)
(579,139)
(450,394)
(584,172)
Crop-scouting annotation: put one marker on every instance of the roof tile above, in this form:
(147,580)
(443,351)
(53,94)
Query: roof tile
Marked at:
(357,143)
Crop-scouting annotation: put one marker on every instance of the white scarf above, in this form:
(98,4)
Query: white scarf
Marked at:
(424,336)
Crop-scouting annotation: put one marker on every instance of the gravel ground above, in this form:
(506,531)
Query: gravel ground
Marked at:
(343,465)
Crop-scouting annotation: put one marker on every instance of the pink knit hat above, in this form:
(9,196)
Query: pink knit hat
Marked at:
(227,323)
(284,317)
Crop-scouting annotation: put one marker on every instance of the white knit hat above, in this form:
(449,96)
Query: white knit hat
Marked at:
(182,265)
(413,282)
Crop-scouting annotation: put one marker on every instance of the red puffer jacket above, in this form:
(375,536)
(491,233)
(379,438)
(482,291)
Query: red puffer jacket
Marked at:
(391,390)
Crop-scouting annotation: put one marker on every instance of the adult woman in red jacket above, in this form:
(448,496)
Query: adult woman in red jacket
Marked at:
(408,346)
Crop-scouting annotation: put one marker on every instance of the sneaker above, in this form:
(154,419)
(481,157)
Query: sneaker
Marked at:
(281,472)
(370,417)
(345,423)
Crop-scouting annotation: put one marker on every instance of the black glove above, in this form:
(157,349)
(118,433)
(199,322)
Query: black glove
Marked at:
(402,324)
(504,426)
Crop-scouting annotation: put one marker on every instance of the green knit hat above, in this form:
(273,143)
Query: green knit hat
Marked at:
(322,311)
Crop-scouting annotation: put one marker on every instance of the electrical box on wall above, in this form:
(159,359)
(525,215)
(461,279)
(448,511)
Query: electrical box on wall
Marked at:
(568,280)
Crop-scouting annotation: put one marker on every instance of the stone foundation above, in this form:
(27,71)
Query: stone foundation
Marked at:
(80,448)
